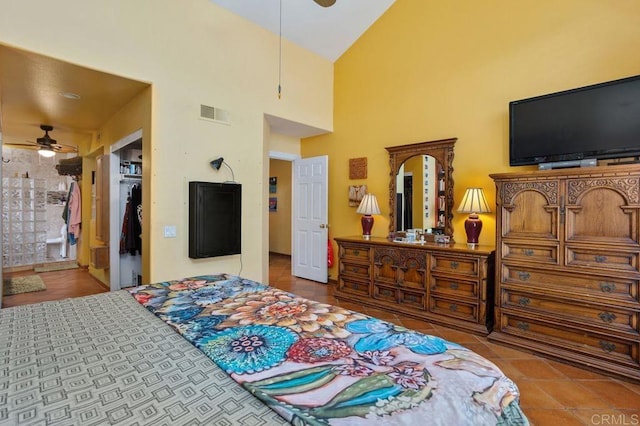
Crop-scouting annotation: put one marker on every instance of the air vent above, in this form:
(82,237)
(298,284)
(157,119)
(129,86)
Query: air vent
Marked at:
(214,114)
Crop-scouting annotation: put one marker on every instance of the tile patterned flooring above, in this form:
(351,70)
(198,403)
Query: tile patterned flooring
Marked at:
(552,393)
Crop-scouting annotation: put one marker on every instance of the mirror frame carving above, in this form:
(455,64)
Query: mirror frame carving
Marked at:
(442,151)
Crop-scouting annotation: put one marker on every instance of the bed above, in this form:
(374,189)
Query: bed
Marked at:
(224,350)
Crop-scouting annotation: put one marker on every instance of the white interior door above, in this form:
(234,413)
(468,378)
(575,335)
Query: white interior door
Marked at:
(310,213)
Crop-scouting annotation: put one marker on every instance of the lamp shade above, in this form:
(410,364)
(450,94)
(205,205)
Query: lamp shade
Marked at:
(368,205)
(474,201)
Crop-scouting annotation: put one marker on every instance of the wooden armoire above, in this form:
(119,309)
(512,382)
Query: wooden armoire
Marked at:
(568,265)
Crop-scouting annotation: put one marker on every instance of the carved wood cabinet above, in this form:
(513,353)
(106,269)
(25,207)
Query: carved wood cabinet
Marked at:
(450,285)
(567,274)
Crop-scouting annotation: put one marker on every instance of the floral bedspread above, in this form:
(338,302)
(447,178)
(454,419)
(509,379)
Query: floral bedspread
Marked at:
(318,364)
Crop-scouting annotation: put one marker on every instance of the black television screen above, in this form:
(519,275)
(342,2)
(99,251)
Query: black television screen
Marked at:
(599,121)
(215,214)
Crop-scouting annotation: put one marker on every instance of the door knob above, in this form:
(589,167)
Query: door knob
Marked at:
(324,225)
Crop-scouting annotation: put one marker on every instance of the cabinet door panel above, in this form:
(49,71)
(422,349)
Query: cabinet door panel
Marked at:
(602,215)
(531,212)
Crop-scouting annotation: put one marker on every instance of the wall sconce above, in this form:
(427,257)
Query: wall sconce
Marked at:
(367,207)
(46,152)
(473,202)
(218,162)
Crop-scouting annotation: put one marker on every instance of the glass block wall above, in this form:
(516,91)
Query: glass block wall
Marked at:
(24,221)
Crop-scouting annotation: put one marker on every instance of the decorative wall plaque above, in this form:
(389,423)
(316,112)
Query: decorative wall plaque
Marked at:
(358,168)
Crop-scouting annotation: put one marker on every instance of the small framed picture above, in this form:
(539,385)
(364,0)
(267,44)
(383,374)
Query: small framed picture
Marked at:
(273,204)
(273,185)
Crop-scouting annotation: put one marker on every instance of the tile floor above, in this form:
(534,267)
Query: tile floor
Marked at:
(552,393)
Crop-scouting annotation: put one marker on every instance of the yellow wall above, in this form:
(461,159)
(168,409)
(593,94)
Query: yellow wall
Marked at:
(192,52)
(431,69)
(280,220)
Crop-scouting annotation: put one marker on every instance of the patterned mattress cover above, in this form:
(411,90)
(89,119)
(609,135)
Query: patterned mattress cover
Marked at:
(104,359)
(318,364)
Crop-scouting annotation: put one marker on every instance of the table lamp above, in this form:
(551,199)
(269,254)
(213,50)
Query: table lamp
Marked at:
(367,207)
(473,202)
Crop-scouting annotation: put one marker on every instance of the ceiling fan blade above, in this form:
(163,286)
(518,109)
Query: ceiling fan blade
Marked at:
(21,146)
(325,3)
(64,148)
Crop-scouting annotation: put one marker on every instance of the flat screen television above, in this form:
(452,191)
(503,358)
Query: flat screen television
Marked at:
(601,121)
(215,214)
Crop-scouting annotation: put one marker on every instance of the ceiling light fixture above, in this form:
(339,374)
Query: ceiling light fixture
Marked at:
(46,152)
(69,95)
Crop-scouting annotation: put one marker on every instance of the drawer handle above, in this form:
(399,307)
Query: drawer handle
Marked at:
(355,286)
(387,292)
(411,298)
(453,286)
(354,269)
(607,287)
(600,259)
(524,301)
(453,307)
(607,317)
(524,276)
(356,252)
(454,265)
(523,326)
(527,252)
(607,346)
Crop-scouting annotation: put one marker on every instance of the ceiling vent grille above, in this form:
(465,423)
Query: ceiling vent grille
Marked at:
(214,114)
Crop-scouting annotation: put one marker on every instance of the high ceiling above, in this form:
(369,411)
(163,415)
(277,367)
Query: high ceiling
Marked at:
(329,31)
(32,86)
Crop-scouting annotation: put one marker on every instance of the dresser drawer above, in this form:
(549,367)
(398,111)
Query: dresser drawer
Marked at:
(619,260)
(454,287)
(455,309)
(527,252)
(355,270)
(457,265)
(413,299)
(388,294)
(598,316)
(604,288)
(356,287)
(355,252)
(560,334)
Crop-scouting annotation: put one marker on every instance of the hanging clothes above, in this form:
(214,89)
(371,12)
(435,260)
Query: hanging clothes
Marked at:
(130,240)
(72,213)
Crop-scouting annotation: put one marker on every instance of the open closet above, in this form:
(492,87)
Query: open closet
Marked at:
(119,212)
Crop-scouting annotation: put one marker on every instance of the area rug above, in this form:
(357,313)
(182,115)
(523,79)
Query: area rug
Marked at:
(26,284)
(56,267)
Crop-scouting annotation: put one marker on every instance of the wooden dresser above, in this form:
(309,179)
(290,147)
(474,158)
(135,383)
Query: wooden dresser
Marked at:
(567,274)
(450,285)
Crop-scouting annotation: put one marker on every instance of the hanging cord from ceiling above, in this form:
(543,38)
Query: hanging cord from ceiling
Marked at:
(280,56)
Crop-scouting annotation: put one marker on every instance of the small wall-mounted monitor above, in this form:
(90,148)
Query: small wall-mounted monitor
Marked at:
(215,215)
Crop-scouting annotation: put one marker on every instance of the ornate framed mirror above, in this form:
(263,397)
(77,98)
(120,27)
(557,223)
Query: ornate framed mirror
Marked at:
(421,186)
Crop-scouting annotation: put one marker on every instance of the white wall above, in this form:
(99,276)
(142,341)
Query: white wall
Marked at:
(193,52)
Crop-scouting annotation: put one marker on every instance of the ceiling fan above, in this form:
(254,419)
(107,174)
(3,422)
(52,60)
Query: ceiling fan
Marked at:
(46,146)
(325,3)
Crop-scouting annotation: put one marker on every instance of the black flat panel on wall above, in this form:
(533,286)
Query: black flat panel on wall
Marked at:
(215,214)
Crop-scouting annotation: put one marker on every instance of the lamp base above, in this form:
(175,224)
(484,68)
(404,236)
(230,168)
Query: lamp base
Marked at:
(367,225)
(473,226)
